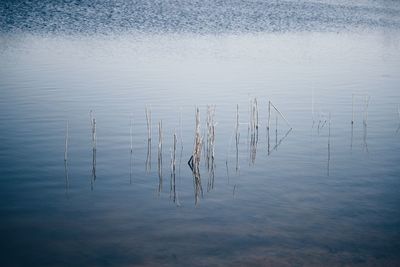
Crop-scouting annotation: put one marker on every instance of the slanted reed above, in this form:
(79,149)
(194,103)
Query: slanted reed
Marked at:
(272,107)
(277,110)
(322,119)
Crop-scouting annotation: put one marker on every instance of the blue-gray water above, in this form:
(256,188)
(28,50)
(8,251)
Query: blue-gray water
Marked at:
(313,199)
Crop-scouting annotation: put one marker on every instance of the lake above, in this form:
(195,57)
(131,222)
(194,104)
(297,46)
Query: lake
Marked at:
(299,121)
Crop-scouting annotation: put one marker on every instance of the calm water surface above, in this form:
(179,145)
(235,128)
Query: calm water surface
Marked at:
(304,197)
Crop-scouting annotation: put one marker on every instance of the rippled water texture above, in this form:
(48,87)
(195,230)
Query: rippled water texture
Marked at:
(297,186)
(207,16)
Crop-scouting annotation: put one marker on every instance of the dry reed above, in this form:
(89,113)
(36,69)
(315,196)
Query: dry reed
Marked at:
(66,143)
(160,139)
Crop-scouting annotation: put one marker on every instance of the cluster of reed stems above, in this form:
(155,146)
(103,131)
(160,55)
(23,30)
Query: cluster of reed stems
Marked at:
(194,161)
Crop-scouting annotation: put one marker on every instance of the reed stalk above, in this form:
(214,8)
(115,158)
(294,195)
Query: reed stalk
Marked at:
(352,108)
(93,125)
(131,134)
(329,143)
(312,105)
(173,171)
(66,143)
(194,161)
(269,115)
(398,111)
(237,134)
(210,136)
(367,98)
(160,139)
(148,121)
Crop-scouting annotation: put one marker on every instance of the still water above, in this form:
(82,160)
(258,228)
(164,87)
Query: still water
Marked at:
(326,192)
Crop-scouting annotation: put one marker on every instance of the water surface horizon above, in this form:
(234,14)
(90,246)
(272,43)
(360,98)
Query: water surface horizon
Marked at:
(320,194)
